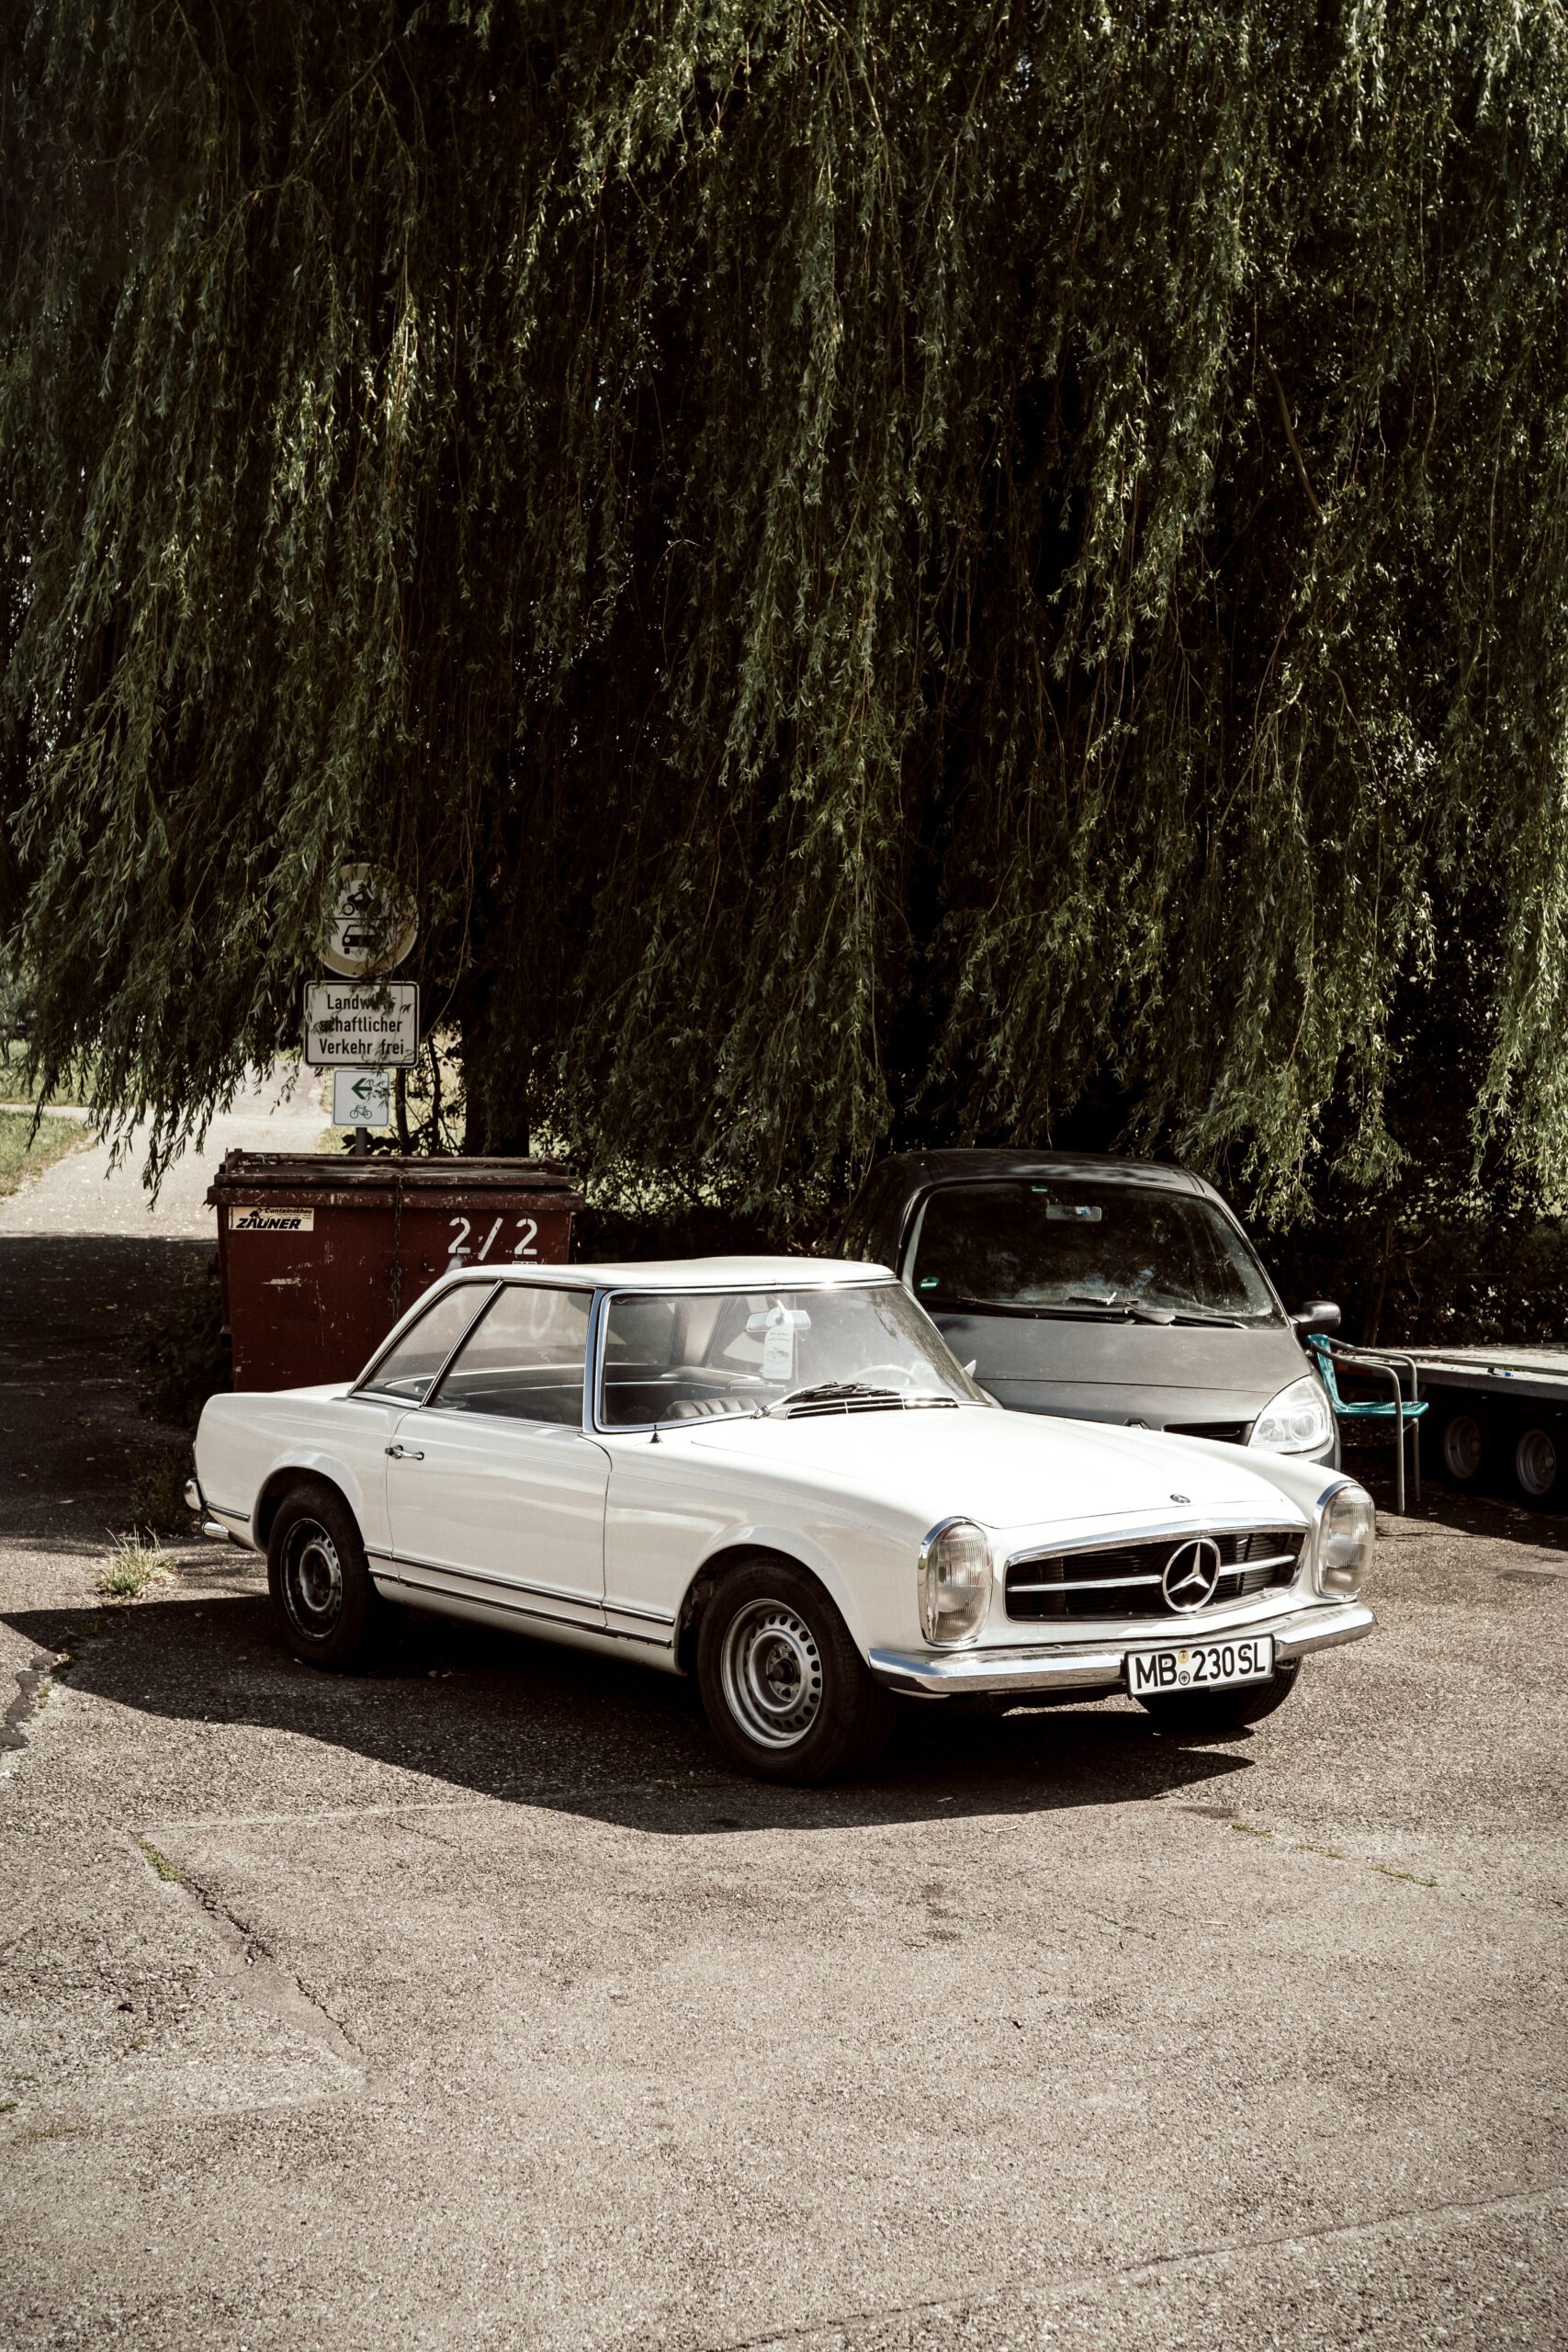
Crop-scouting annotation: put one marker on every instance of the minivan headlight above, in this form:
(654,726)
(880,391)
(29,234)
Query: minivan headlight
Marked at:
(955,1581)
(1347,1531)
(1296,1421)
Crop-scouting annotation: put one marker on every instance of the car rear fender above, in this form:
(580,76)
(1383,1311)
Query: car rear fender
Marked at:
(289,1471)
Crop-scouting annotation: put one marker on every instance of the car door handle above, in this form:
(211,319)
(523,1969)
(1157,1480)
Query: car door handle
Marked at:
(405,1452)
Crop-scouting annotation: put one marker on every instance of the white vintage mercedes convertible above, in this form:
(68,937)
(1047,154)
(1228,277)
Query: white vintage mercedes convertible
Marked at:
(773,1474)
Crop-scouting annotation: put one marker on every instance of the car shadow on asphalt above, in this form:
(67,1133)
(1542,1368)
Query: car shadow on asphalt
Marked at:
(511,1720)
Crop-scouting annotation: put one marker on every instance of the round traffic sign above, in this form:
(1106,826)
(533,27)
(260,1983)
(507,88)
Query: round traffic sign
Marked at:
(370,907)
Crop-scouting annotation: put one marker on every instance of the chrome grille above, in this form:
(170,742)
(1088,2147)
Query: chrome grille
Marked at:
(1126,1580)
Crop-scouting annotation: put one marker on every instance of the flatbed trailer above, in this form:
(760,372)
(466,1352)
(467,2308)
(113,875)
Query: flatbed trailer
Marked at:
(1497,1418)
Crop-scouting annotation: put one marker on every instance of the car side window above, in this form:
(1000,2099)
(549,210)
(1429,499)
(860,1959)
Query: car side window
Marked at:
(409,1370)
(525,1359)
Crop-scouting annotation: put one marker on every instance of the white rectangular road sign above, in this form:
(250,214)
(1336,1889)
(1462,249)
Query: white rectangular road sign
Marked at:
(369,1024)
(362,1098)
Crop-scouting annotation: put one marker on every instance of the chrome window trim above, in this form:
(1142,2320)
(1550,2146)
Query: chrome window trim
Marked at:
(428,1404)
(364,1385)
(594,1424)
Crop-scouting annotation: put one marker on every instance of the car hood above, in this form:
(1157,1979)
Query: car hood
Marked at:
(1149,1371)
(1010,1470)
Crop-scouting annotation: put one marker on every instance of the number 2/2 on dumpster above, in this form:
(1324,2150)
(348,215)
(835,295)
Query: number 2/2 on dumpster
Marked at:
(507,1237)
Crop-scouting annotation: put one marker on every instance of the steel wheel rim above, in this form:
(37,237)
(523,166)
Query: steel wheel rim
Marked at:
(1535,1461)
(1462,1446)
(312,1580)
(771,1669)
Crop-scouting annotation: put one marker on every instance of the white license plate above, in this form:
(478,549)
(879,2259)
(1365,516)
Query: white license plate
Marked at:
(1200,1666)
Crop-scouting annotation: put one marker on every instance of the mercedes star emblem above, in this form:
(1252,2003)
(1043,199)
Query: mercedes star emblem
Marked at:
(1191,1574)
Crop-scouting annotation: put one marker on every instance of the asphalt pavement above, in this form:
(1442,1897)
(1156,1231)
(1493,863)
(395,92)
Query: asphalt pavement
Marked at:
(474,2003)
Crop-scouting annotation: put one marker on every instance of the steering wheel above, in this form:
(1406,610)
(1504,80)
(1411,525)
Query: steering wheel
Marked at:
(901,1376)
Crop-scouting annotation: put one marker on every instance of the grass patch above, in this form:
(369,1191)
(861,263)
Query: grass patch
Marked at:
(135,1565)
(16,1086)
(159,1862)
(24,1155)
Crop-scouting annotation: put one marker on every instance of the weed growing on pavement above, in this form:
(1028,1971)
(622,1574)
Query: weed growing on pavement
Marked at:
(134,1564)
(161,1862)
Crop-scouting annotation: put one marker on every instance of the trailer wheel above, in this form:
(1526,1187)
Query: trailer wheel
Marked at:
(1537,1462)
(1464,1448)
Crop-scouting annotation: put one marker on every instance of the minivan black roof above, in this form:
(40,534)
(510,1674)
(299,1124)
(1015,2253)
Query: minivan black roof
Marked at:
(923,1167)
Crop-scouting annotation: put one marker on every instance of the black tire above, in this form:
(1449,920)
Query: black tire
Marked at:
(323,1602)
(1214,1714)
(786,1693)
(1537,1463)
(1463,1448)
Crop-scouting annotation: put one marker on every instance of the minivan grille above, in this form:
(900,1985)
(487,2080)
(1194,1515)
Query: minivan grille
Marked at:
(1128,1581)
(1220,1432)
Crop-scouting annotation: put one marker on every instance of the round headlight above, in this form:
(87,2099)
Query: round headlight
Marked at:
(1296,1421)
(955,1581)
(1346,1534)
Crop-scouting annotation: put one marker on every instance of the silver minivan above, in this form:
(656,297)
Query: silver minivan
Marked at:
(1108,1290)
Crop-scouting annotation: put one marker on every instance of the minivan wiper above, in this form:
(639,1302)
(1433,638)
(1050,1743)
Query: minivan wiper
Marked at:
(1004,1306)
(1130,1310)
(1083,1310)
(1135,1311)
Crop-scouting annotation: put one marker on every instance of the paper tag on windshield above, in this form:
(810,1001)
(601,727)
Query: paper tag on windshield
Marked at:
(778,1348)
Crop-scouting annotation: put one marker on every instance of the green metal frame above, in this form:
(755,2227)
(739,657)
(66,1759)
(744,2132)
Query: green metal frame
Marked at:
(1404,1411)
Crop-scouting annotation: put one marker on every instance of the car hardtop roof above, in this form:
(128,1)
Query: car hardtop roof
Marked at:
(700,1274)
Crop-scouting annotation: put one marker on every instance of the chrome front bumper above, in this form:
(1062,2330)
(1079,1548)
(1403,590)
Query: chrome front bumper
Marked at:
(1064,1665)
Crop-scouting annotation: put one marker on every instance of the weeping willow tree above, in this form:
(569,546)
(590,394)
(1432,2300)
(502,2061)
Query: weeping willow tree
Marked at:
(876,568)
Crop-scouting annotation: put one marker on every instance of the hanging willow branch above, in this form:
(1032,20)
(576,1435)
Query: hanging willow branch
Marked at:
(762,518)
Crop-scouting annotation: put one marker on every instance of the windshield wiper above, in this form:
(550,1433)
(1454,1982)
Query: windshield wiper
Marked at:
(1131,1310)
(824,1392)
(1006,1307)
(1136,1311)
(1081,1310)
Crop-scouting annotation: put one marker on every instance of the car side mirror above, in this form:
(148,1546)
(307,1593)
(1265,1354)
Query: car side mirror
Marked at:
(1318,1315)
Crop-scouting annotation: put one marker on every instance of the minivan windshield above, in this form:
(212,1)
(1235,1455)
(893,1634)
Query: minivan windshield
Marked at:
(697,1355)
(1084,1249)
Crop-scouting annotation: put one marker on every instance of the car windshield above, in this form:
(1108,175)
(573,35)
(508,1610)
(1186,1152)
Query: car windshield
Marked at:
(1078,1248)
(689,1355)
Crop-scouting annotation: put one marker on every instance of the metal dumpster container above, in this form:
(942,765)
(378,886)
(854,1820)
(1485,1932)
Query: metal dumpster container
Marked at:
(319,1257)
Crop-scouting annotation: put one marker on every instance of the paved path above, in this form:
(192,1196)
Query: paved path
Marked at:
(83,1197)
(474,2005)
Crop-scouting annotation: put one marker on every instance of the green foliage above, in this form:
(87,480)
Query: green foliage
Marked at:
(183,1357)
(881,568)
